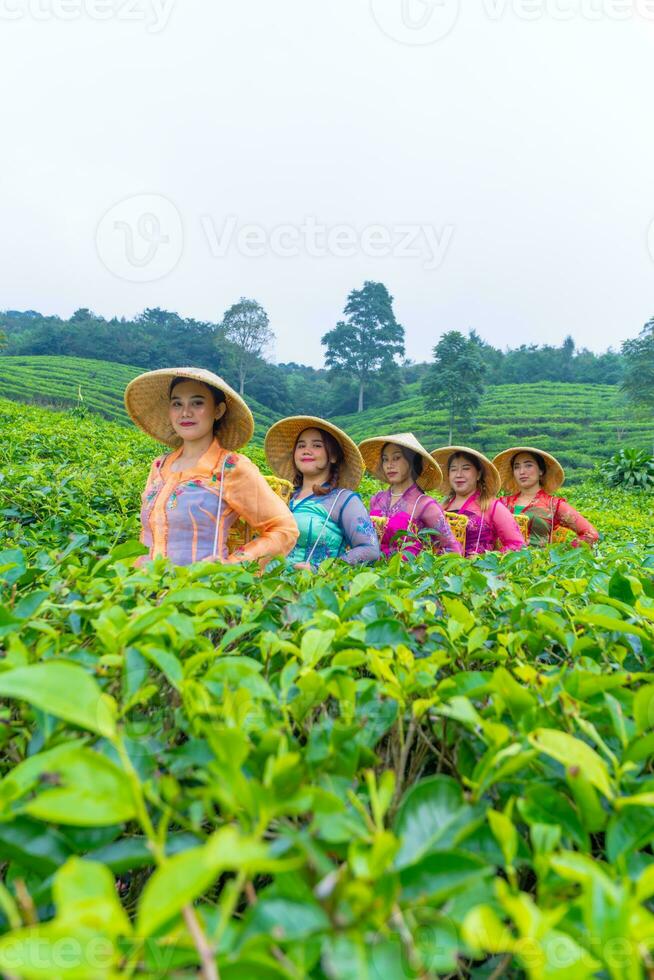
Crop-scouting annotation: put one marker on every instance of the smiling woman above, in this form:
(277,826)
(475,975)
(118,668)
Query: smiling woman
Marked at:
(471,483)
(531,477)
(410,472)
(326,468)
(195,494)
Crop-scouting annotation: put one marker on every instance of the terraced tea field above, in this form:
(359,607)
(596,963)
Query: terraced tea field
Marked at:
(58,382)
(580,424)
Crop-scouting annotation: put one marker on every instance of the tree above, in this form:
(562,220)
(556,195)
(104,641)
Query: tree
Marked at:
(638,379)
(368,341)
(246,327)
(456,377)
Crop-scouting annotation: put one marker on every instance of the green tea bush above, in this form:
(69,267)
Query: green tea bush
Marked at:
(435,768)
(630,468)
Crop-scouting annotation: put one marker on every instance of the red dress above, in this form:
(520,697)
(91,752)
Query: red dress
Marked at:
(546,513)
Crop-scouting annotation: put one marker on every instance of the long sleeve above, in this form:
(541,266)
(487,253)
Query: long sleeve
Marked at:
(249,495)
(432,516)
(506,528)
(567,516)
(153,486)
(152,476)
(359,532)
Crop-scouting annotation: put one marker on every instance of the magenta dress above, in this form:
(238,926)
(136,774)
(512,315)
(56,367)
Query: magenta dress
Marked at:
(495,530)
(416,508)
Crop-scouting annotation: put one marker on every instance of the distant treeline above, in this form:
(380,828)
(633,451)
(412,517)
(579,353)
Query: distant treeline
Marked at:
(158,338)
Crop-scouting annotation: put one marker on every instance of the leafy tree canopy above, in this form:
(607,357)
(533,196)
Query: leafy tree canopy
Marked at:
(368,340)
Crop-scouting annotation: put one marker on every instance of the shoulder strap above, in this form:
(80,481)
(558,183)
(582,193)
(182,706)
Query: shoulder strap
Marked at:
(324,525)
(415,505)
(220,504)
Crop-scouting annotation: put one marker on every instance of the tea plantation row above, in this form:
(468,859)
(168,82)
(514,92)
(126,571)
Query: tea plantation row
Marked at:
(411,770)
(581,424)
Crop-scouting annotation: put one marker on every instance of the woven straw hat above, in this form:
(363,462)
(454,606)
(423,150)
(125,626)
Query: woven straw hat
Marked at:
(371,450)
(147,398)
(554,472)
(491,476)
(279,446)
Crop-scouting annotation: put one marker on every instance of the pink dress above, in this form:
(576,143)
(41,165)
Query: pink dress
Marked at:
(413,508)
(495,530)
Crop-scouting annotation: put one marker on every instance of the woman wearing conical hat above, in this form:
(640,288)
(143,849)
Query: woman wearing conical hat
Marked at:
(410,472)
(196,492)
(532,476)
(325,467)
(471,483)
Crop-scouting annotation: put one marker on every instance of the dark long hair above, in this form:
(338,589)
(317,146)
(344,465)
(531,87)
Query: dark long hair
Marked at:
(333,448)
(217,395)
(484,496)
(413,459)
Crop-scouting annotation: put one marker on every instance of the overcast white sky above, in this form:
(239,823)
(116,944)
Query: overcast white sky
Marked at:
(493,165)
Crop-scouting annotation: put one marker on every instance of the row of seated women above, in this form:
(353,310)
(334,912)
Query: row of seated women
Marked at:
(204,500)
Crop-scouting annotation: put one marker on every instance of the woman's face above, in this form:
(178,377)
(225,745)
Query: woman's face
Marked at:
(310,456)
(526,472)
(193,411)
(463,476)
(396,467)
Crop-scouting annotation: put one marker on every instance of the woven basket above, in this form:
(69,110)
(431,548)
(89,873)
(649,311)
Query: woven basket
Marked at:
(240,533)
(458,525)
(560,535)
(380,524)
(523,523)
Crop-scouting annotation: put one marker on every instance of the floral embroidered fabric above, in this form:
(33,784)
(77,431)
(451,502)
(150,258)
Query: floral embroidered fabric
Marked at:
(491,530)
(336,525)
(547,513)
(185,517)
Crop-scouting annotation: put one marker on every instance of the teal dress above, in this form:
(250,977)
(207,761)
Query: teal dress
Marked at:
(336,525)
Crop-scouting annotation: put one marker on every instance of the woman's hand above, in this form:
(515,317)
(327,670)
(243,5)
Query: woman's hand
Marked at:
(303,566)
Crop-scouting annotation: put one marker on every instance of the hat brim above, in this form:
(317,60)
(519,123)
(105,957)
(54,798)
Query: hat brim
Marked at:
(491,476)
(147,400)
(554,472)
(431,477)
(279,446)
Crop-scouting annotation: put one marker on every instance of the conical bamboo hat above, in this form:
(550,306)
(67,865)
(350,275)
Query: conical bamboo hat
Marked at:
(491,476)
(147,398)
(371,450)
(554,472)
(279,446)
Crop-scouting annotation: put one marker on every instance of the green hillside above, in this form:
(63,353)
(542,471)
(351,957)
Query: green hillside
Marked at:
(581,424)
(57,382)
